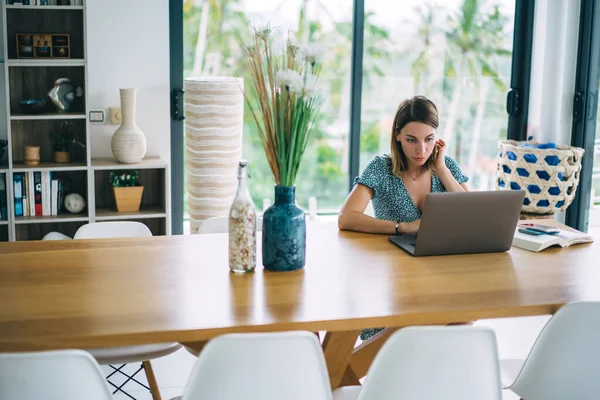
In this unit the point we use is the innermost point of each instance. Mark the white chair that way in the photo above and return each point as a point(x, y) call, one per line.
point(128, 354)
point(565, 359)
point(221, 225)
point(51, 375)
point(432, 362)
point(112, 229)
point(265, 366)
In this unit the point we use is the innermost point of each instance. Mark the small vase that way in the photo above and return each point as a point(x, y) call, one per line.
point(62, 157)
point(284, 232)
point(128, 143)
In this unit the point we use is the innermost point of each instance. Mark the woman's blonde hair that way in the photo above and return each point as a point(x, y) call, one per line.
point(416, 109)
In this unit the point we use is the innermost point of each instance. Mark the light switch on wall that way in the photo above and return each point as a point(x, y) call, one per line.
point(115, 116)
point(97, 116)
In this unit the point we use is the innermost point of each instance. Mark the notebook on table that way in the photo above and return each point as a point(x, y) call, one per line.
point(563, 238)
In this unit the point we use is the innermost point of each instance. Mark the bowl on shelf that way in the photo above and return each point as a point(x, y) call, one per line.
point(33, 106)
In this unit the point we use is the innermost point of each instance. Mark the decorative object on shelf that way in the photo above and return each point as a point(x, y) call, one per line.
point(242, 226)
point(548, 173)
point(127, 190)
point(63, 95)
point(32, 155)
point(213, 136)
point(63, 142)
point(33, 106)
point(74, 203)
point(76, 2)
point(43, 45)
point(284, 103)
point(56, 236)
point(128, 143)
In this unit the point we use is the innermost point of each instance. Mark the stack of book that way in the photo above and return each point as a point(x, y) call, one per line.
point(37, 194)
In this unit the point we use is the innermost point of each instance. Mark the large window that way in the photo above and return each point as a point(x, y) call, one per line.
point(457, 53)
point(211, 48)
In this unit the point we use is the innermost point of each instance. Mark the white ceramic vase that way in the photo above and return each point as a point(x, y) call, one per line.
point(128, 143)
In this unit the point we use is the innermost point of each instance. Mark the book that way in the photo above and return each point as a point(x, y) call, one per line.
point(18, 195)
point(37, 178)
point(563, 238)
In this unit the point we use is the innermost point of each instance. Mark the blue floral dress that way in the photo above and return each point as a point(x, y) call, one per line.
point(391, 200)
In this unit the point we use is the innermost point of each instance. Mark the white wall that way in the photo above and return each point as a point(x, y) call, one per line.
point(554, 60)
point(128, 46)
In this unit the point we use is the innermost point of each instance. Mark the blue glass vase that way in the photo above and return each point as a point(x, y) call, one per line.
point(284, 232)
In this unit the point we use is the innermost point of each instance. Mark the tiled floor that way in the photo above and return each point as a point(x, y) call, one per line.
point(515, 338)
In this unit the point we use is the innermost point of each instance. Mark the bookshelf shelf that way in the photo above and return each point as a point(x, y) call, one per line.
point(38, 7)
point(112, 164)
point(3, 222)
point(54, 218)
point(46, 116)
point(149, 212)
point(20, 167)
point(45, 63)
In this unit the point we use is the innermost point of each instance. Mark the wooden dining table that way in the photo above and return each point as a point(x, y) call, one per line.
point(117, 292)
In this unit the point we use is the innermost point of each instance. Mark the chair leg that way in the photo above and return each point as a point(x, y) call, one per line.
point(151, 380)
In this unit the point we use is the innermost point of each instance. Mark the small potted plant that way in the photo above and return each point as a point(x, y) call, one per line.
point(63, 142)
point(127, 190)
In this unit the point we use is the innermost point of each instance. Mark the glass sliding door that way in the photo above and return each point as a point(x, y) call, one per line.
point(584, 212)
point(212, 48)
point(457, 53)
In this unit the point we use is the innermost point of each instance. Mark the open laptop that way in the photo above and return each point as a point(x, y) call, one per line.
point(465, 222)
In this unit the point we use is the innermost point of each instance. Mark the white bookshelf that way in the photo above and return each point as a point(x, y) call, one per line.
point(88, 176)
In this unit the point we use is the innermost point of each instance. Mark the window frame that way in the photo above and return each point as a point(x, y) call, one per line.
point(585, 105)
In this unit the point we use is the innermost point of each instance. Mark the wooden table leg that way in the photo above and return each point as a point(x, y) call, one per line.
point(194, 347)
point(337, 348)
point(363, 355)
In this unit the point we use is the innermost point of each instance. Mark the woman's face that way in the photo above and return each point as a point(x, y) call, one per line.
point(418, 141)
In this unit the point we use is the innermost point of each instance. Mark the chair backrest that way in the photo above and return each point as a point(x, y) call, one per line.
point(265, 366)
point(221, 225)
point(113, 229)
point(52, 375)
point(565, 359)
point(436, 362)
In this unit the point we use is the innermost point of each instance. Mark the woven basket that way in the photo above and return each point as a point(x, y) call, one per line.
point(548, 176)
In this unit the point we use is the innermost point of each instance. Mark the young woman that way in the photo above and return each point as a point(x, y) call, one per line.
point(399, 182)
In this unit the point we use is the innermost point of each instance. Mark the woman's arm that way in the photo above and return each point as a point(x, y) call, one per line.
point(353, 218)
point(442, 170)
point(449, 181)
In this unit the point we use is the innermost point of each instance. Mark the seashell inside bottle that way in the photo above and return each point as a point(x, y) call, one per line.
point(242, 226)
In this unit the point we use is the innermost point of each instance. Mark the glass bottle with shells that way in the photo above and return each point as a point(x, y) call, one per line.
point(242, 226)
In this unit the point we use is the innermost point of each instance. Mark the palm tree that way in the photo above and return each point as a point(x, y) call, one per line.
point(474, 44)
point(475, 40)
point(224, 23)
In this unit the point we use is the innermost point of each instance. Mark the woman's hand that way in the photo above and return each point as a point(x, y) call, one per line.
point(410, 228)
point(439, 156)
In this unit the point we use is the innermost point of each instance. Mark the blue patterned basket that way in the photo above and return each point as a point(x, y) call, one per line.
point(549, 176)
